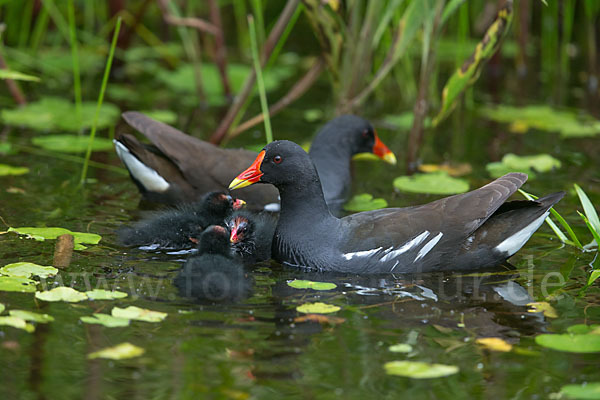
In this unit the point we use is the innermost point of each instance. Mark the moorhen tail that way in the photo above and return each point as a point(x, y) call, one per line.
point(180, 227)
point(463, 232)
point(178, 168)
point(213, 275)
point(251, 235)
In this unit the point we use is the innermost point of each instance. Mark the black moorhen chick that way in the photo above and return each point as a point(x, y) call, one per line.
point(178, 228)
point(214, 275)
point(468, 231)
point(251, 235)
point(178, 168)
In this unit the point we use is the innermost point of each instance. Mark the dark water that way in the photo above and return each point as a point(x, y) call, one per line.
point(245, 341)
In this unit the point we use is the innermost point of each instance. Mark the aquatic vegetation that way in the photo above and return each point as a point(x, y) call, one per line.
point(303, 284)
point(119, 352)
point(433, 183)
point(31, 316)
point(527, 164)
point(364, 202)
point(106, 320)
point(419, 370)
point(317, 308)
point(27, 270)
point(11, 170)
point(138, 314)
point(71, 143)
point(62, 293)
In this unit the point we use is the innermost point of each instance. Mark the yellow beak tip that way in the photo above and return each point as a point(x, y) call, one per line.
point(238, 184)
point(390, 158)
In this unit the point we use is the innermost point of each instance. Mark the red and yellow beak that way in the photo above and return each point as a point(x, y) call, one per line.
point(382, 151)
point(251, 175)
point(233, 237)
point(238, 203)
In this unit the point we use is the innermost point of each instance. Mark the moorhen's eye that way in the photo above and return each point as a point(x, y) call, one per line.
point(277, 159)
point(365, 133)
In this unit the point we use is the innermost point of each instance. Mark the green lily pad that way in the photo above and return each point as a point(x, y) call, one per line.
point(54, 113)
point(544, 118)
point(42, 234)
point(31, 316)
point(589, 390)
point(27, 270)
point(419, 370)
point(526, 164)
point(589, 343)
point(433, 183)
point(104, 319)
point(582, 329)
point(62, 293)
point(6, 169)
point(317, 308)
point(164, 116)
point(498, 169)
point(72, 143)
point(301, 284)
point(118, 352)
point(17, 322)
point(364, 202)
point(17, 76)
point(17, 284)
point(400, 348)
point(101, 294)
point(138, 314)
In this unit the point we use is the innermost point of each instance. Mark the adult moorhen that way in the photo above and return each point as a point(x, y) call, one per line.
point(251, 235)
point(178, 168)
point(213, 275)
point(462, 232)
point(178, 228)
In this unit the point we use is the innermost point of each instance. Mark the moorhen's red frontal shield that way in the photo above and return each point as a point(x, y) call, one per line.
point(382, 151)
point(251, 175)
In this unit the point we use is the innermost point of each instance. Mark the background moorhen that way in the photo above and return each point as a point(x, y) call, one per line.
point(213, 275)
point(463, 232)
point(251, 235)
point(178, 168)
point(177, 228)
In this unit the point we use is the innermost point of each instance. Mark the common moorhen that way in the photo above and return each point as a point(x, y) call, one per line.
point(251, 235)
point(178, 228)
point(178, 168)
point(462, 232)
point(214, 275)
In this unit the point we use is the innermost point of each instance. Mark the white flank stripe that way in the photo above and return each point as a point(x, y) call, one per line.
point(405, 247)
point(148, 177)
point(428, 246)
point(514, 243)
point(365, 253)
point(272, 207)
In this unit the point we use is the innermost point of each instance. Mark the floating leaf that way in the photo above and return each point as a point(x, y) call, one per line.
point(119, 352)
point(27, 269)
point(42, 234)
point(525, 164)
point(400, 348)
point(451, 169)
point(435, 183)
point(54, 113)
point(62, 293)
point(17, 284)
point(544, 118)
point(364, 202)
point(419, 370)
point(2, 308)
point(302, 284)
point(545, 307)
point(101, 294)
point(104, 319)
point(10, 170)
point(17, 322)
point(589, 343)
point(469, 72)
point(494, 344)
point(582, 329)
point(498, 169)
point(139, 314)
point(72, 143)
point(31, 316)
point(317, 308)
point(322, 319)
point(588, 390)
point(17, 76)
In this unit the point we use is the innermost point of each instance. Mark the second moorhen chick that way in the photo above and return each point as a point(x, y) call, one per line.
point(178, 228)
point(178, 168)
point(251, 235)
point(463, 232)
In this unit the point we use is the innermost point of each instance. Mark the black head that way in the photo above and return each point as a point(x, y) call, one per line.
point(280, 163)
point(352, 134)
point(214, 240)
point(242, 232)
point(220, 204)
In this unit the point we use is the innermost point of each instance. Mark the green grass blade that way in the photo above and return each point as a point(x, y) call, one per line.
point(593, 231)
point(111, 54)
point(75, 56)
point(561, 236)
point(259, 80)
point(567, 227)
point(588, 208)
